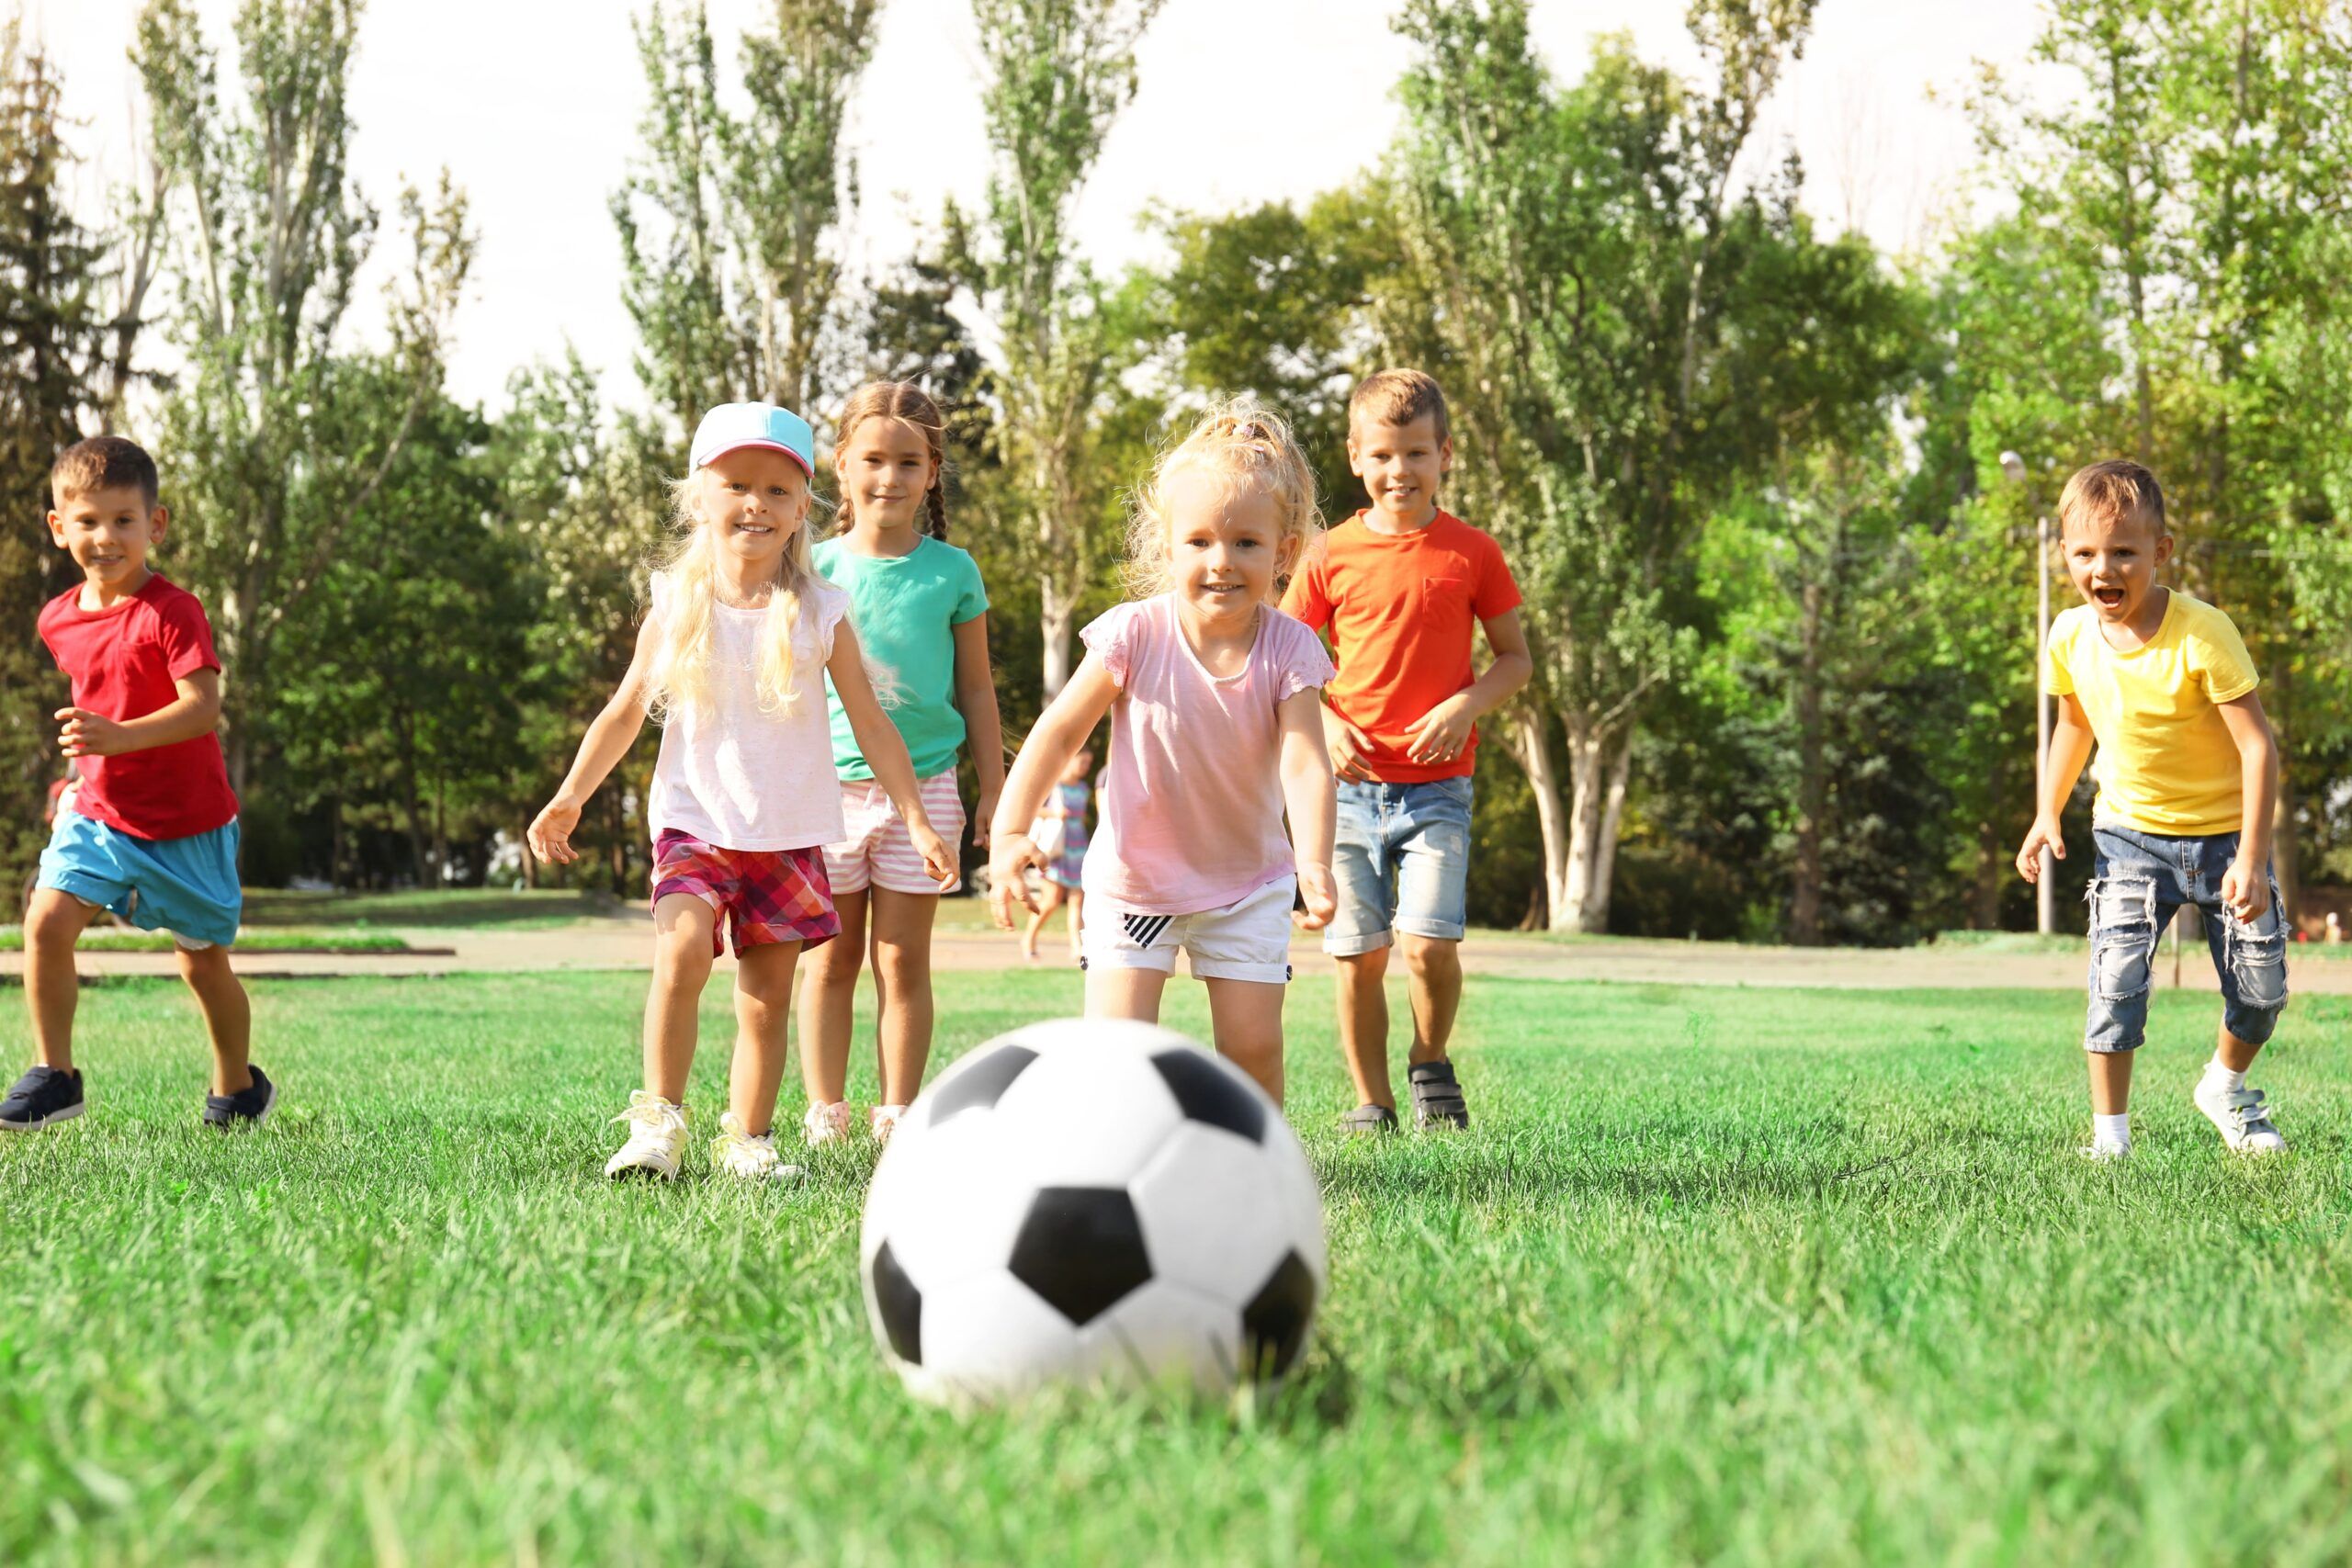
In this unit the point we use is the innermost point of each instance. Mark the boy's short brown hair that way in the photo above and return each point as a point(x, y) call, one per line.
point(102, 462)
point(2112, 491)
point(1399, 397)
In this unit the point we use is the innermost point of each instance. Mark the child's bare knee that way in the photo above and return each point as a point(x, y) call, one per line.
point(204, 965)
point(54, 919)
point(1432, 957)
point(1362, 966)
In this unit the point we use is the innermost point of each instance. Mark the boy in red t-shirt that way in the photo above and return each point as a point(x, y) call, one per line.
point(1401, 586)
point(150, 829)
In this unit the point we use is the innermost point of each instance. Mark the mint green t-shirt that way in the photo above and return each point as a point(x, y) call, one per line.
point(905, 609)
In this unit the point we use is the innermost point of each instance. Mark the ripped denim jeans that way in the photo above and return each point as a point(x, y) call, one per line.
point(2139, 882)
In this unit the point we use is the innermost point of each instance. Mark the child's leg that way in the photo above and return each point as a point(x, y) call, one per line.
point(1077, 918)
point(1246, 1018)
point(1430, 838)
point(1360, 935)
point(1435, 966)
point(902, 924)
point(2111, 1081)
point(228, 1015)
point(1363, 1025)
point(1115, 992)
point(762, 1017)
point(1046, 907)
point(683, 927)
point(53, 922)
point(827, 999)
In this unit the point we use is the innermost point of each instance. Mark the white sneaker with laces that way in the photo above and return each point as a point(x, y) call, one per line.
point(657, 1138)
point(736, 1153)
point(883, 1121)
point(825, 1123)
point(2241, 1115)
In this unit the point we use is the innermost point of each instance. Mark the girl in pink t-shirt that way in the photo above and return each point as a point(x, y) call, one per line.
point(1217, 730)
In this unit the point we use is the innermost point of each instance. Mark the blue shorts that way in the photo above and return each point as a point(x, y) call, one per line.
point(2139, 881)
point(188, 886)
point(1402, 861)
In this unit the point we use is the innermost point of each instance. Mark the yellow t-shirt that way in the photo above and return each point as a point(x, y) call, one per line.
point(2167, 763)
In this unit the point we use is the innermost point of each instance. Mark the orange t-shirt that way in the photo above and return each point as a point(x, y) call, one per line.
point(1402, 609)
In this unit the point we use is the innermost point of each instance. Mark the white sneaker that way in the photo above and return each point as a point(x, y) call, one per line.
point(657, 1138)
point(737, 1153)
point(883, 1121)
point(2105, 1152)
point(2244, 1119)
point(825, 1123)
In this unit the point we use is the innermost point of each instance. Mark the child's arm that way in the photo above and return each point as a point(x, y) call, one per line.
point(1312, 800)
point(1440, 734)
point(2246, 886)
point(196, 711)
point(1068, 720)
point(610, 735)
point(2070, 747)
point(879, 743)
point(975, 700)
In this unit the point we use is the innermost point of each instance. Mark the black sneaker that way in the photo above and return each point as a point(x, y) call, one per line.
point(1437, 1098)
point(42, 1095)
point(248, 1107)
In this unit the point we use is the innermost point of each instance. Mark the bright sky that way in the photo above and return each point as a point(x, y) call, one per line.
point(533, 103)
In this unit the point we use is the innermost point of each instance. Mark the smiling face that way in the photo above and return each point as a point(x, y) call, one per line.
point(1401, 466)
point(2112, 559)
point(1224, 546)
point(109, 533)
point(755, 500)
point(885, 469)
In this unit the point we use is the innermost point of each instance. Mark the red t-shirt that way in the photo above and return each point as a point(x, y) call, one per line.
point(124, 660)
point(1404, 611)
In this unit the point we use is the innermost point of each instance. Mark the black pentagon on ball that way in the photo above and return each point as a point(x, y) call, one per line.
point(1082, 1248)
point(1273, 1325)
point(900, 1303)
point(1209, 1092)
point(981, 1085)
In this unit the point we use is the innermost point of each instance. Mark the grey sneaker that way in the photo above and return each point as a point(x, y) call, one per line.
point(248, 1107)
point(42, 1098)
point(2241, 1116)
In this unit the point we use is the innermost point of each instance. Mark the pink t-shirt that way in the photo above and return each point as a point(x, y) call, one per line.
point(1193, 810)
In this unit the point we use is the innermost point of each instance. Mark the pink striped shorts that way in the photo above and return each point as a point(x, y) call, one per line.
point(878, 853)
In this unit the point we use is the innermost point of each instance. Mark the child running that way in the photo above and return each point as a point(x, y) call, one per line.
point(1060, 834)
point(744, 795)
point(1219, 729)
point(1404, 588)
point(2187, 777)
point(149, 828)
point(919, 603)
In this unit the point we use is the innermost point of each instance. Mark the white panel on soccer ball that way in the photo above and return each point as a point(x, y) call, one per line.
point(1085, 1116)
point(1165, 1336)
point(1209, 1218)
point(990, 1337)
point(1298, 1193)
point(951, 1203)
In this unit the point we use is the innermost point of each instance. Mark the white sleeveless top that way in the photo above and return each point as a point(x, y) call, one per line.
point(739, 778)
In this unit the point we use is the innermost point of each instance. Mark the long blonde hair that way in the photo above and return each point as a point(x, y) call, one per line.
point(1236, 440)
point(685, 591)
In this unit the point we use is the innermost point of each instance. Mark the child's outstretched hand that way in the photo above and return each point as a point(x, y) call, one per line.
point(1315, 890)
point(938, 859)
point(2043, 834)
point(1011, 857)
point(550, 832)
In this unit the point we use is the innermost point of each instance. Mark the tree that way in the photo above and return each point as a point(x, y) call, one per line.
point(280, 440)
point(1055, 75)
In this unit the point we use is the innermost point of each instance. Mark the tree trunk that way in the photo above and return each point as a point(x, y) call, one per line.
point(1056, 617)
point(1532, 742)
point(1599, 762)
point(2285, 841)
point(1813, 780)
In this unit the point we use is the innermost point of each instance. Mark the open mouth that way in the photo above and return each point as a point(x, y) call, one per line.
point(2111, 598)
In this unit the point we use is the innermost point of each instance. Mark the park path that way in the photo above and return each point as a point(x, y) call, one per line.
point(621, 942)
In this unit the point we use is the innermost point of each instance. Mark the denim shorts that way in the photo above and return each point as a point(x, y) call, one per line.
point(2138, 882)
point(188, 886)
point(1402, 861)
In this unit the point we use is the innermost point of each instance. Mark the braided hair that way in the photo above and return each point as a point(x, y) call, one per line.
point(905, 402)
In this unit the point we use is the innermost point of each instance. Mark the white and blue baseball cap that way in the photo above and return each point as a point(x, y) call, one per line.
point(732, 426)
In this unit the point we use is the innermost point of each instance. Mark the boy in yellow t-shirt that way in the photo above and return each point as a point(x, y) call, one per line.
point(2187, 774)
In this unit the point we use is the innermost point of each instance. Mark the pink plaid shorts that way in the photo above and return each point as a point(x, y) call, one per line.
point(766, 896)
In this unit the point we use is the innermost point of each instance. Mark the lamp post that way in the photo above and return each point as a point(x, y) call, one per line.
point(2045, 896)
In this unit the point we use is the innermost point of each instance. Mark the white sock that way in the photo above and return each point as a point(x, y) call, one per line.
point(2219, 1071)
point(2111, 1132)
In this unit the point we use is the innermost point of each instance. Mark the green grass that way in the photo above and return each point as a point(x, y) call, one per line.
point(1725, 1276)
point(108, 939)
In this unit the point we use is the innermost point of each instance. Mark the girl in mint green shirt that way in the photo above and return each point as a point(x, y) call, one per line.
point(920, 611)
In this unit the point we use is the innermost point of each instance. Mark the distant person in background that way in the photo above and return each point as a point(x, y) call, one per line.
point(2335, 927)
point(149, 828)
point(2187, 777)
point(745, 796)
point(1060, 834)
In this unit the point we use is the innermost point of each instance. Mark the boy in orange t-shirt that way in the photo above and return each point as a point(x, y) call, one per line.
point(1400, 586)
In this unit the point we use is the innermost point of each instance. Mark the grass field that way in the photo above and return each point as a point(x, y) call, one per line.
point(274, 939)
point(1725, 1276)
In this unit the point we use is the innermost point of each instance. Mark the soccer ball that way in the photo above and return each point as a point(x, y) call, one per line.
point(1091, 1201)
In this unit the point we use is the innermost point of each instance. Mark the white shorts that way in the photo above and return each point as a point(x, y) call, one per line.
point(878, 853)
point(1244, 940)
